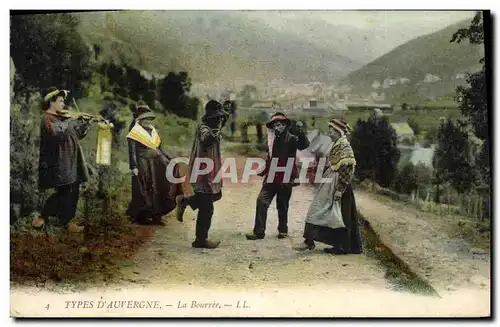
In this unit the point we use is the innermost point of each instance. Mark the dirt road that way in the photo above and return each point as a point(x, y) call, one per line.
point(169, 259)
point(275, 279)
point(268, 274)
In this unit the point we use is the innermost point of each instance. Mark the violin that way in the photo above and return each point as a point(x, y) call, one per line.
point(83, 115)
point(65, 113)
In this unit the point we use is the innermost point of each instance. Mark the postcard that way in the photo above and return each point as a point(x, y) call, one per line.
point(250, 163)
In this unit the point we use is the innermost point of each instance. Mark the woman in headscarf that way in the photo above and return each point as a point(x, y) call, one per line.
point(148, 163)
point(332, 218)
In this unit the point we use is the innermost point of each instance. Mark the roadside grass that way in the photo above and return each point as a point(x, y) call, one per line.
point(57, 256)
point(109, 238)
point(397, 272)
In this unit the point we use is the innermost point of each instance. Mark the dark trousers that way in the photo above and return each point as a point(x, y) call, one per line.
point(204, 202)
point(62, 204)
point(266, 196)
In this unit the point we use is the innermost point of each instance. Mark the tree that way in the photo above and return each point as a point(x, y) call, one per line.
point(374, 143)
point(137, 83)
point(192, 106)
point(173, 95)
point(472, 100)
point(452, 160)
point(249, 92)
point(414, 126)
point(473, 103)
point(149, 96)
point(431, 135)
point(48, 51)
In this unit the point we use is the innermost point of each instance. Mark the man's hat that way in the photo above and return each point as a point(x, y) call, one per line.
point(213, 109)
point(279, 116)
point(53, 92)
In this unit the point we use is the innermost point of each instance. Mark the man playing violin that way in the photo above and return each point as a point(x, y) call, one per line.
point(62, 164)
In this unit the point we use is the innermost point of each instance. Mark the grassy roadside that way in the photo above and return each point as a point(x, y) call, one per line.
point(397, 272)
point(59, 257)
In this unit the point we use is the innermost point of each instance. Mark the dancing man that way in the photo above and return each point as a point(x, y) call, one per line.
point(207, 189)
point(282, 150)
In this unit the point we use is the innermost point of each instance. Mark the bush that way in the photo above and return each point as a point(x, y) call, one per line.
point(24, 148)
point(411, 178)
point(409, 141)
point(175, 130)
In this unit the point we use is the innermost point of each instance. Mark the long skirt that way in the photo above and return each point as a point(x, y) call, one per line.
point(150, 191)
point(348, 236)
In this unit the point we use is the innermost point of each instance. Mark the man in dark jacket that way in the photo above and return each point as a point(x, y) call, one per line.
point(207, 189)
point(62, 164)
point(284, 148)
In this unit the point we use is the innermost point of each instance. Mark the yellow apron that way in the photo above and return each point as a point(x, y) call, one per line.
point(104, 139)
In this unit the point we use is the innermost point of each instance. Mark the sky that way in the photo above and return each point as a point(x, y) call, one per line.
point(366, 19)
point(392, 28)
point(408, 24)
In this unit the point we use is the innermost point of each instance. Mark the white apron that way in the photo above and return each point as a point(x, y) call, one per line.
point(323, 211)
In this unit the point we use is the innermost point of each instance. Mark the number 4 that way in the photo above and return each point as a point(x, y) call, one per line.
point(47, 307)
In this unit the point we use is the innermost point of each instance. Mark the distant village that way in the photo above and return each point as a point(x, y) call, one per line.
point(315, 98)
point(323, 100)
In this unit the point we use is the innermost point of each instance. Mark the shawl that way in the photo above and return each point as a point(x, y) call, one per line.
point(341, 154)
point(139, 134)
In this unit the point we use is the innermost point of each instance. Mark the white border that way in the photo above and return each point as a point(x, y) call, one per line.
point(186, 4)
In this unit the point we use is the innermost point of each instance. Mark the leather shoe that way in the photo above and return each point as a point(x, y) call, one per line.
point(205, 244)
point(252, 236)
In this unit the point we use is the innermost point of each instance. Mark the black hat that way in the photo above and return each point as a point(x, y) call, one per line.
point(279, 116)
point(213, 109)
point(147, 114)
point(140, 110)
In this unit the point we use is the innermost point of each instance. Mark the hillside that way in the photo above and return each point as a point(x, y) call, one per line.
point(361, 45)
point(227, 46)
point(414, 60)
